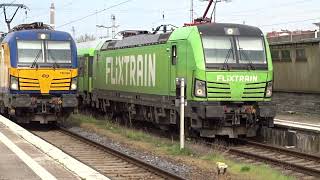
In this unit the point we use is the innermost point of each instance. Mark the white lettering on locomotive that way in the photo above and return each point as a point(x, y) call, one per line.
point(131, 70)
point(236, 78)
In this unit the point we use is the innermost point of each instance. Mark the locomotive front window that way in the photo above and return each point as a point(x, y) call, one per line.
point(218, 49)
point(30, 51)
point(58, 52)
point(251, 50)
point(43, 53)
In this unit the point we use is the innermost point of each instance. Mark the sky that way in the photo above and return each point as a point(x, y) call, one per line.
point(84, 15)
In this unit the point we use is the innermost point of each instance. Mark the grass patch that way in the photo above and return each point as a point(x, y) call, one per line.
point(259, 172)
point(166, 147)
point(245, 169)
point(175, 150)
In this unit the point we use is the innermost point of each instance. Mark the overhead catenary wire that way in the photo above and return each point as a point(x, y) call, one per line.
point(92, 14)
point(290, 22)
point(9, 4)
point(273, 6)
point(45, 11)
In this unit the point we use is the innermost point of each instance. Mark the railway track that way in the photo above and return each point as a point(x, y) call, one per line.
point(305, 165)
point(112, 163)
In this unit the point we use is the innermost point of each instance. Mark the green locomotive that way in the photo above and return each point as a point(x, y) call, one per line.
point(227, 69)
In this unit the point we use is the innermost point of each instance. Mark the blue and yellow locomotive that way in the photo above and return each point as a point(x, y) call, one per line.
point(38, 74)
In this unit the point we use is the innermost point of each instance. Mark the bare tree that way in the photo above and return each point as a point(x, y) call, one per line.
point(85, 38)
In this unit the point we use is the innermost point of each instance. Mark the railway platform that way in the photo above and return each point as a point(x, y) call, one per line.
point(25, 156)
point(298, 121)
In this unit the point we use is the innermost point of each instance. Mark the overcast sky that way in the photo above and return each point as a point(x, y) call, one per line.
point(144, 14)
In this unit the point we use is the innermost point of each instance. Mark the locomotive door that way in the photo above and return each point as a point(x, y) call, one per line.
point(81, 73)
point(85, 63)
point(178, 65)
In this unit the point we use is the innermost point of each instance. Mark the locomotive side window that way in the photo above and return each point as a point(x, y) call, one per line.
point(174, 54)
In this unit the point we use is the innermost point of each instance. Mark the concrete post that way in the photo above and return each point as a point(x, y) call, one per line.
point(182, 104)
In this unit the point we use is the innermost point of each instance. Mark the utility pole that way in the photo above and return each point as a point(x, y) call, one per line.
point(181, 83)
point(52, 15)
point(73, 32)
point(106, 27)
point(113, 27)
point(26, 13)
point(113, 19)
point(191, 12)
point(9, 20)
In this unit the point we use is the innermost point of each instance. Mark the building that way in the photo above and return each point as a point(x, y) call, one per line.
point(296, 61)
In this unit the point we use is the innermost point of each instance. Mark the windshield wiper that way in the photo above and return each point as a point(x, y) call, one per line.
point(241, 51)
point(55, 64)
point(250, 63)
point(225, 63)
point(35, 64)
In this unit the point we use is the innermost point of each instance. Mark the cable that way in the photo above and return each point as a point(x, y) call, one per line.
point(92, 14)
point(10, 4)
point(57, 8)
point(289, 22)
point(272, 6)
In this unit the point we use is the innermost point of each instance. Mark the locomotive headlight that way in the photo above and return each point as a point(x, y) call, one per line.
point(14, 83)
point(74, 84)
point(232, 31)
point(200, 89)
point(43, 36)
point(269, 89)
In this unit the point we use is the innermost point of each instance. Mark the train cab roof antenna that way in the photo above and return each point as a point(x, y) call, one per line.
point(9, 19)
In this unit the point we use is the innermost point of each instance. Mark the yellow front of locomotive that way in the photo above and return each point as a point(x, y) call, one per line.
point(41, 70)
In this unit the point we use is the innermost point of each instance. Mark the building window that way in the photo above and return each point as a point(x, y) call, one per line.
point(285, 55)
point(301, 55)
point(275, 55)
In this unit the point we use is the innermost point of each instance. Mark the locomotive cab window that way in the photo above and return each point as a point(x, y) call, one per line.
point(251, 50)
point(43, 52)
point(218, 49)
point(235, 52)
point(30, 51)
point(58, 52)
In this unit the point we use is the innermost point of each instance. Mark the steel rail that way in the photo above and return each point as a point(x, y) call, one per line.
point(159, 171)
point(290, 164)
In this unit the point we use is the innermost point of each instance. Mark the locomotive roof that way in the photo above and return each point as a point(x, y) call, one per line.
point(219, 29)
point(90, 46)
point(212, 29)
point(135, 41)
point(33, 35)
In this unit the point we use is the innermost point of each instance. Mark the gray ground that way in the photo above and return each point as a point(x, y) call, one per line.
point(179, 169)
